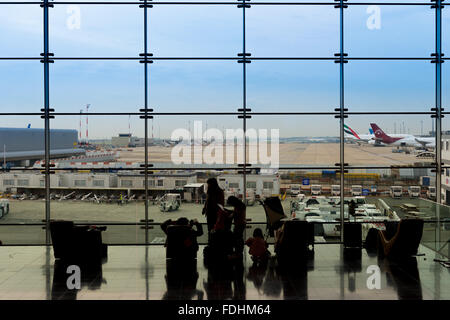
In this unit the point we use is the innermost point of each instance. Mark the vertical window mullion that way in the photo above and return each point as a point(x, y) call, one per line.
point(146, 122)
point(244, 104)
point(45, 5)
point(438, 106)
point(341, 122)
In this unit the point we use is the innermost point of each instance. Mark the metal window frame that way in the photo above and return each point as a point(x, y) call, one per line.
point(342, 112)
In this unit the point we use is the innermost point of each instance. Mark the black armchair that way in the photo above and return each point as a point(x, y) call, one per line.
point(78, 244)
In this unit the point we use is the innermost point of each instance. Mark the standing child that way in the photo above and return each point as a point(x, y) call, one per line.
point(240, 221)
point(258, 246)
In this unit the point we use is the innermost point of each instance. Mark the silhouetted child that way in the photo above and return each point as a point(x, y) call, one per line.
point(258, 246)
point(238, 215)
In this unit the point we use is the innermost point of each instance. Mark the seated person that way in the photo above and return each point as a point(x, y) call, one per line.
point(258, 246)
point(191, 240)
point(406, 239)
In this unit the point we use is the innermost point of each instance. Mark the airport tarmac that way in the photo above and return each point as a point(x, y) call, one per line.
point(33, 211)
point(86, 212)
point(313, 154)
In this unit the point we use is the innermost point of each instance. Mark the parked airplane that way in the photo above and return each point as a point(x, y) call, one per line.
point(407, 140)
point(353, 136)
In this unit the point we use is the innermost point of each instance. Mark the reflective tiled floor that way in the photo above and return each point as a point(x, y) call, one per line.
point(139, 272)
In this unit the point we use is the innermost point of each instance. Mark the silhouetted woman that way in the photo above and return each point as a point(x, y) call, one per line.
point(214, 197)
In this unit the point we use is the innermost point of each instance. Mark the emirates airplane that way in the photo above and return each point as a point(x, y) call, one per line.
point(351, 135)
point(407, 140)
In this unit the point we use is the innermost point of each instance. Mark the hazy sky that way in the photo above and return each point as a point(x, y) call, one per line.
point(212, 86)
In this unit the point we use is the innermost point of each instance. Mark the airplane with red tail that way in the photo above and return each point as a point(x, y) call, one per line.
point(407, 140)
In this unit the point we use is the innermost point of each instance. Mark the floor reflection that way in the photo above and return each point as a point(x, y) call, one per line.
point(294, 282)
point(225, 280)
point(181, 280)
point(64, 278)
point(134, 273)
point(404, 276)
point(352, 265)
point(256, 274)
point(282, 281)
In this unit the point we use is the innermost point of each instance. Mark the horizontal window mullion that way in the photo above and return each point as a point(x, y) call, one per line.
point(21, 114)
point(149, 113)
point(211, 168)
point(220, 113)
point(233, 3)
point(389, 113)
point(219, 168)
point(20, 58)
point(350, 167)
point(225, 58)
point(406, 166)
point(337, 113)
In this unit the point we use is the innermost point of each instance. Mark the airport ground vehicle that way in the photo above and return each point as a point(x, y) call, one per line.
point(414, 191)
point(431, 193)
point(316, 189)
point(335, 190)
point(4, 207)
point(170, 202)
point(396, 191)
point(295, 189)
point(356, 190)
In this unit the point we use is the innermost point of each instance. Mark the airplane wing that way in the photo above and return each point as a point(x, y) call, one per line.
point(422, 142)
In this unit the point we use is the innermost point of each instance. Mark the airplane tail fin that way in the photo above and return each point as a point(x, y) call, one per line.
point(350, 131)
point(370, 131)
point(379, 133)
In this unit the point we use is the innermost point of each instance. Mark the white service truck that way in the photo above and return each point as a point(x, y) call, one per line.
point(295, 189)
point(356, 190)
point(431, 193)
point(396, 191)
point(336, 190)
point(414, 191)
point(316, 189)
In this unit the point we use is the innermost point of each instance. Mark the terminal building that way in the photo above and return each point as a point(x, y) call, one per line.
point(124, 140)
point(123, 181)
point(22, 146)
